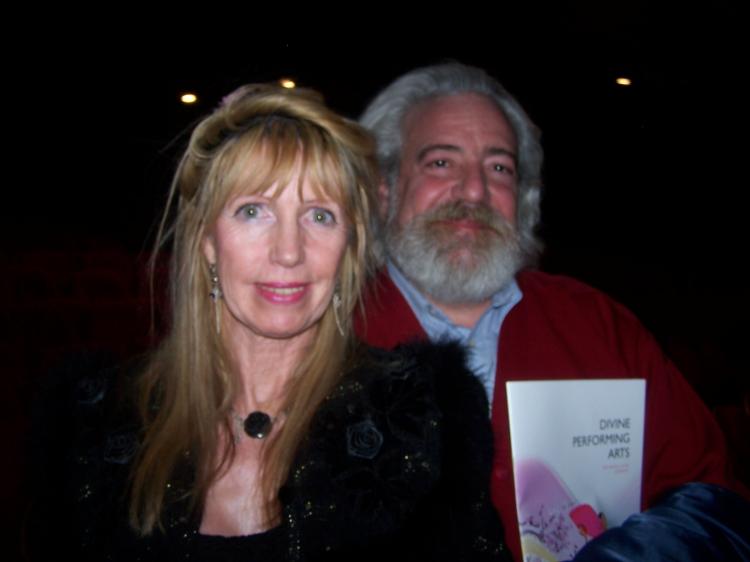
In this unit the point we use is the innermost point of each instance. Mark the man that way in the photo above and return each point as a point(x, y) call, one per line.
point(461, 163)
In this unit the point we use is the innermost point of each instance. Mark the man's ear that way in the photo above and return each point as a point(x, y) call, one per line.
point(383, 199)
point(209, 248)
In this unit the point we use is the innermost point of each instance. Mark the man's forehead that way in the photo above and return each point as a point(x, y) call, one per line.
point(453, 120)
point(443, 103)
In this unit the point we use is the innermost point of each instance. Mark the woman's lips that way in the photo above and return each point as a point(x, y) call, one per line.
point(282, 293)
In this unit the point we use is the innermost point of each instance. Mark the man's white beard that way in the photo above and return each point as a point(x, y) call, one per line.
point(452, 267)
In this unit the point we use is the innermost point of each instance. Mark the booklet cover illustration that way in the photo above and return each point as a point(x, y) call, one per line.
point(577, 450)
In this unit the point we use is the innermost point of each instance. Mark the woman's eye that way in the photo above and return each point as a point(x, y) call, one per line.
point(249, 211)
point(323, 216)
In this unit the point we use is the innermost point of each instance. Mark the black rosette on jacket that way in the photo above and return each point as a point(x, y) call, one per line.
point(399, 459)
point(373, 455)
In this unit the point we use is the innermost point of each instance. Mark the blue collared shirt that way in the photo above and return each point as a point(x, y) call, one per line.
point(480, 341)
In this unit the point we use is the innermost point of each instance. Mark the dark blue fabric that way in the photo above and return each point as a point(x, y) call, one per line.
point(695, 523)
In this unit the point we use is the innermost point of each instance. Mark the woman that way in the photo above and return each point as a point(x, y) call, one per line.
point(262, 430)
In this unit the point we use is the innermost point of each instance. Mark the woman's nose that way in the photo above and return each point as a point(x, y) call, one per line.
point(287, 244)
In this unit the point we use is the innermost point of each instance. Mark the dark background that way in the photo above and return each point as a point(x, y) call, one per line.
point(644, 186)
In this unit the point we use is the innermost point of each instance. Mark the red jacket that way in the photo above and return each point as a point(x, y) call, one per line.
point(564, 329)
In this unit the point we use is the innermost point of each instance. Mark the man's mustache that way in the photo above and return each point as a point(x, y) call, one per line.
point(457, 210)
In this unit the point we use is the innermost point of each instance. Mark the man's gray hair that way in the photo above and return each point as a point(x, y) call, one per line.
point(385, 114)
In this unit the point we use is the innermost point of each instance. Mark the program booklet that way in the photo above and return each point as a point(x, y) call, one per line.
point(577, 449)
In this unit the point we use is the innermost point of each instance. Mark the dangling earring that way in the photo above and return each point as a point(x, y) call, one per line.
point(215, 294)
point(336, 307)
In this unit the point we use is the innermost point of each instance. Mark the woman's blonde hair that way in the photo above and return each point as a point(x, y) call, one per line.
point(259, 136)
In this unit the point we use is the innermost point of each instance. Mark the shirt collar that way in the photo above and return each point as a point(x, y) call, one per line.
point(508, 295)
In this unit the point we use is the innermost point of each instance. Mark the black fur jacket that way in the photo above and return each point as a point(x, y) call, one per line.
point(396, 466)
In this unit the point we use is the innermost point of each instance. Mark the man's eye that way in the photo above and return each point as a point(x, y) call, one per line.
point(439, 163)
point(503, 169)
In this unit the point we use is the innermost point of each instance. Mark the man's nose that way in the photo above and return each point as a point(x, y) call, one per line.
point(472, 186)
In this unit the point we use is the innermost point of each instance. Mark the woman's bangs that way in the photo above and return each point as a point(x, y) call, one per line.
point(272, 155)
point(267, 162)
point(323, 169)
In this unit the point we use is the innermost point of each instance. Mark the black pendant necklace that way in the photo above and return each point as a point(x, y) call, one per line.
point(256, 425)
